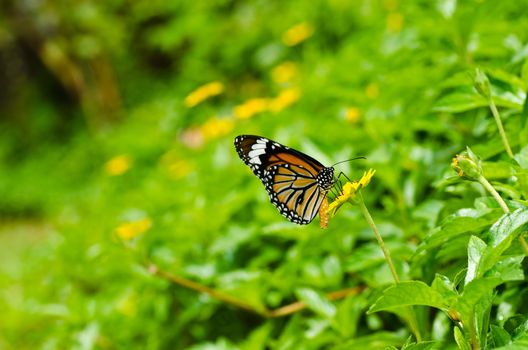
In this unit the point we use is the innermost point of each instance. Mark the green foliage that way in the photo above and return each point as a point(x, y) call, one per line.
point(128, 221)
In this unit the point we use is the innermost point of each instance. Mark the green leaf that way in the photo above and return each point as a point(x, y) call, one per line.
point(258, 338)
point(513, 80)
point(444, 286)
point(508, 269)
point(498, 336)
point(408, 293)
point(316, 302)
point(378, 340)
point(460, 102)
point(461, 341)
point(501, 236)
point(465, 220)
point(424, 345)
point(473, 293)
point(332, 269)
point(476, 248)
point(348, 314)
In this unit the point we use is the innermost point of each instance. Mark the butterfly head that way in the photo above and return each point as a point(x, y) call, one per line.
point(325, 178)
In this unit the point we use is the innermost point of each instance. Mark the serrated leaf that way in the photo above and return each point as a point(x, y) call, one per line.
point(316, 302)
point(408, 293)
point(501, 235)
point(508, 269)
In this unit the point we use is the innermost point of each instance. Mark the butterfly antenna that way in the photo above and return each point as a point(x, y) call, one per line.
point(348, 160)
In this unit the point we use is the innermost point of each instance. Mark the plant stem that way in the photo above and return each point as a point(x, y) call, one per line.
point(372, 225)
point(228, 299)
point(484, 182)
point(184, 282)
point(411, 314)
point(502, 133)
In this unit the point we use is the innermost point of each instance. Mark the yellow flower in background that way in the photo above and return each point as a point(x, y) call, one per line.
point(179, 169)
point(285, 99)
point(118, 165)
point(203, 93)
point(127, 304)
point(352, 115)
point(216, 127)
point(284, 72)
point(174, 165)
point(132, 229)
point(348, 193)
point(391, 5)
point(372, 91)
point(394, 22)
point(251, 107)
point(297, 34)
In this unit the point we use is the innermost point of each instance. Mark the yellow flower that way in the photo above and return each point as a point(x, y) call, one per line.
point(216, 127)
point(394, 22)
point(284, 72)
point(391, 5)
point(118, 165)
point(348, 193)
point(372, 91)
point(297, 34)
point(285, 99)
point(132, 229)
point(323, 214)
point(251, 107)
point(127, 304)
point(203, 93)
point(174, 165)
point(352, 115)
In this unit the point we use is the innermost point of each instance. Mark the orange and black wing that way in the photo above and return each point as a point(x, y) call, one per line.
point(289, 176)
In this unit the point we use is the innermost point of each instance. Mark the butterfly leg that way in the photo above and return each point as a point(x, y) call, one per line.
point(343, 174)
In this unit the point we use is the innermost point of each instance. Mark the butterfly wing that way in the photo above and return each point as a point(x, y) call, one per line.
point(289, 176)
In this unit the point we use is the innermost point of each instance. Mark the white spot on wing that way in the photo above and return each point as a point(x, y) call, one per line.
point(255, 160)
point(258, 146)
point(256, 152)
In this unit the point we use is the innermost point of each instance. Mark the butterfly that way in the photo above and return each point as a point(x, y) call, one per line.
point(297, 184)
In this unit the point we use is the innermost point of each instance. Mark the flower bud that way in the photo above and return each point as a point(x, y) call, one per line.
point(482, 84)
point(467, 165)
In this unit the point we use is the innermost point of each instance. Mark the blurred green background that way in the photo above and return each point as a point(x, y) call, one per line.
point(116, 146)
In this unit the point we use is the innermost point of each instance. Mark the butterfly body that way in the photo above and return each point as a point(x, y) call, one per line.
point(296, 183)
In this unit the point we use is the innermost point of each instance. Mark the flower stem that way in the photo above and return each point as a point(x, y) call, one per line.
point(411, 314)
point(372, 225)
point(485, 183)
point(502, 133)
